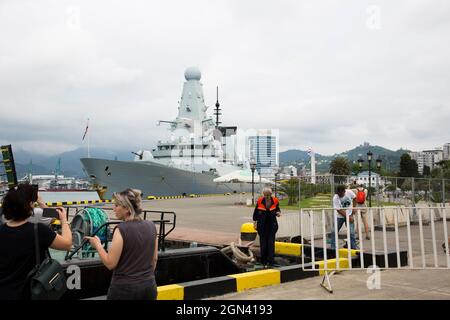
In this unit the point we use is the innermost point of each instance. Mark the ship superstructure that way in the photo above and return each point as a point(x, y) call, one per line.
point(196, 151)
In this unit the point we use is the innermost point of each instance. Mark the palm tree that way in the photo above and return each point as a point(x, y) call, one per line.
point(340, 167)
point(291, 189)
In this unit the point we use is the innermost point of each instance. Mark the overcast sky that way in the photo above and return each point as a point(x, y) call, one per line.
point(327, 74)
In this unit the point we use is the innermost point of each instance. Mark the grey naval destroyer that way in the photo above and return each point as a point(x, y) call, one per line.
point(196, 151)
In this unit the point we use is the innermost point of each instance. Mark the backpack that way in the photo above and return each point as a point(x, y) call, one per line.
point(360, 197)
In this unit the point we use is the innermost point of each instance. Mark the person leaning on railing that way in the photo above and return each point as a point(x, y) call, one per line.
point(17, 244)
point(343, 203)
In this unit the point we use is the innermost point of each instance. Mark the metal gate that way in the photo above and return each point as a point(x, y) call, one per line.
point(408, 238)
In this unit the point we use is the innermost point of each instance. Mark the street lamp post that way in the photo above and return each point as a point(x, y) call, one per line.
point(369, 159)
point(253, 167)
point(378, 161)
point(292, 188)
point(360, 163)
point(276, 176)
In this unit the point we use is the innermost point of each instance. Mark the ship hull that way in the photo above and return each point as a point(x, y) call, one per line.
point(154, 179)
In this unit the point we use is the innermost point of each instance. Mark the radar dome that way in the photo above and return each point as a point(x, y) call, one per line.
point(192, 73)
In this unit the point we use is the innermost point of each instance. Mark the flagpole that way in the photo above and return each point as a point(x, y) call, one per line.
point(89, 141)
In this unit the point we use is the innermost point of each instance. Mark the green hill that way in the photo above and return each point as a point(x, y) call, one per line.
point(299, 158)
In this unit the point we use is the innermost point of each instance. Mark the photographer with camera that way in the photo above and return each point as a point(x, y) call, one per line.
point(17, 241)
point(38, 211)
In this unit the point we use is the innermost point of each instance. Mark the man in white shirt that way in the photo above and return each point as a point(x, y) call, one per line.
point(343, 202)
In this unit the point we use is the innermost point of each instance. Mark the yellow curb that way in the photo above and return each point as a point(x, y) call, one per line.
point(287, 248)
point(171, 292)
point(331, 265)
point(256, 279)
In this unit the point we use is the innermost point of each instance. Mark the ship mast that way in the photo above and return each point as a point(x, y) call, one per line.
point(217, 111)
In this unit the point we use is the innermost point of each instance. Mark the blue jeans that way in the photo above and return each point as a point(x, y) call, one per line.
point(340, 223)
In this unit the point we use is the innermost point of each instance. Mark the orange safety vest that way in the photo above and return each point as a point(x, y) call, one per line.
point(262, 207)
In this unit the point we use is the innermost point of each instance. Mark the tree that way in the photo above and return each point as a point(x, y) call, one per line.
point(340, 166)
point(426, 171)
point(436, 173)
point(442, 171)
point(408, 166)
point(290, 188)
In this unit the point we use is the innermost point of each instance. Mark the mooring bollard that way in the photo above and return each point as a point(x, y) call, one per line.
point(248, 232)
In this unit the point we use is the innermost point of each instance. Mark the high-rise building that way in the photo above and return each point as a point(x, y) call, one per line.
point(427, 158)
point(263, 148)
point(446, 151)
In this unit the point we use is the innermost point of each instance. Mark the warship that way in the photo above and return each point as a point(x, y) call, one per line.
point(196, 151)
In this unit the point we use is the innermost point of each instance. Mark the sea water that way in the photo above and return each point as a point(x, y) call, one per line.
point(68, 196)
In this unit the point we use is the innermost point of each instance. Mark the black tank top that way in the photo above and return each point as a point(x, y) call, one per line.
point(136, 261)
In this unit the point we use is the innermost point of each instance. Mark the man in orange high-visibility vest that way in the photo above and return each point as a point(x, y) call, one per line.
point(265, 221)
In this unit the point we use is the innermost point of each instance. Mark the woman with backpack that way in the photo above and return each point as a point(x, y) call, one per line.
point(361, 207)
point(133, 253)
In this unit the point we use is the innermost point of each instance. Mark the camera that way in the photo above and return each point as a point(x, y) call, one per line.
point(34, 196)
point(50, 213)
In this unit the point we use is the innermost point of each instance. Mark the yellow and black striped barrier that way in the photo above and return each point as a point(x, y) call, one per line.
point(187, 196)
point(200, 289)
point(240, 282)
point(70, 203)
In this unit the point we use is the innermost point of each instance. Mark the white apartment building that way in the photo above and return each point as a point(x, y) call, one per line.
point(375, 179)
point(446, 151)
point(427, 158)
point(287, 172)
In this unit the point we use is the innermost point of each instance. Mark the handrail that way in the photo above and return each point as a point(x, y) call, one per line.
point(161, 235)
point(162, 226)
point(106, 224)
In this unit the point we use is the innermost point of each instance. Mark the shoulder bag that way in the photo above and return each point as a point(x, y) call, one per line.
point(48, 281)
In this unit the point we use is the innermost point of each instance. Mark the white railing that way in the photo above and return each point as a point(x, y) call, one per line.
point(401, 238)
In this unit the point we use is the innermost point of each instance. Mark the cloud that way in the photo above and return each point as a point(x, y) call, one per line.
point(315, 71)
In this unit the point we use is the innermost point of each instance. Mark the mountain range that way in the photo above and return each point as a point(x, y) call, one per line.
point(299, 158)
point(70, 161)
point(71, 165)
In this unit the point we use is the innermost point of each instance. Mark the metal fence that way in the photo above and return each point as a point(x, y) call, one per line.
point(406, 191)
